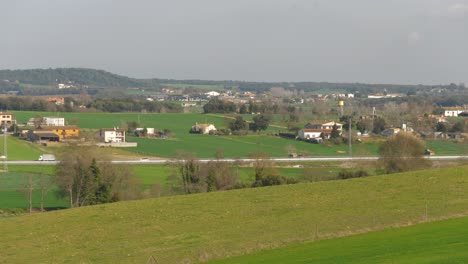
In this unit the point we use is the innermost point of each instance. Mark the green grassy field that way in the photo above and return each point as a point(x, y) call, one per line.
point(13, 185)
point(15, 180)
point(437, 242)
point(205, 145)
point(18, 149)
point(200, 227)
point(201, 145)
point(447, 147)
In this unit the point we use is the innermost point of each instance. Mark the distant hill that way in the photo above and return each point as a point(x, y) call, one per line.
point(200, 227)
point(77, 76)
point(104, 79)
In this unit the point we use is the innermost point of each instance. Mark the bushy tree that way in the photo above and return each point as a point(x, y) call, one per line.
point(238, 124)
point(216, 105)
point(335, 133)
point(441, 127)
point(260, 122)
point(402, 152)
point(378, 125)
point(458, 127)
point(264, 172)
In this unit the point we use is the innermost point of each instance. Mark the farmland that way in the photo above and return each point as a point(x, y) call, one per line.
point(216, 225)
point(438, 242)
point(205, 146)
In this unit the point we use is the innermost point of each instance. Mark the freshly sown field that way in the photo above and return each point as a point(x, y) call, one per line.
point(437, 242)
point(201, 227)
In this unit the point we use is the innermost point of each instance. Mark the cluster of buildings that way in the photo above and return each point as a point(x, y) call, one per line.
point(55, 129)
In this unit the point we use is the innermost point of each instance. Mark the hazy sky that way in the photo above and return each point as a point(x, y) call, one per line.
point(377, 41)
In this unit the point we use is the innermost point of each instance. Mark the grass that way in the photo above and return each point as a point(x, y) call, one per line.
point(18, 149)
point(201, 145)
point(447, 147)
point(13, 185)
point(205, 146)
point(437, 242)
point(12, 182)
point(201, 227)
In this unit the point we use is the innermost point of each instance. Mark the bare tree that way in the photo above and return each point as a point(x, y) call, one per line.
point(28, 189)
point(45, 184)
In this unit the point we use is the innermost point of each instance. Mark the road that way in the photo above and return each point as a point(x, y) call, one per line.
point(292, 160)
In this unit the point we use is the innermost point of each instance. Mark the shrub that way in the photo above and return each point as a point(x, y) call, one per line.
point(342, 175)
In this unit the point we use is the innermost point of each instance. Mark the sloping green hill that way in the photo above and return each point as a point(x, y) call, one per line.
point(437, 242)
point(191, 228)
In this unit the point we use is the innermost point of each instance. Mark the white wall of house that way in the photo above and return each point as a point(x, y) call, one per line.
point(6, 118)
point(54, 121)
point(328, 125)
point(304, 134)
point(452, 112)
point(113, 136)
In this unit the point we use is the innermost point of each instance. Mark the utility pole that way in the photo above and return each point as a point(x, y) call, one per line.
point(5, 165)
point(350, 149)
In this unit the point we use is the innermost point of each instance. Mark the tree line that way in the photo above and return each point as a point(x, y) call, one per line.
point(104, 105)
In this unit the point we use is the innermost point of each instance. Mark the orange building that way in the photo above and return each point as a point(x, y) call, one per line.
point(62, 132)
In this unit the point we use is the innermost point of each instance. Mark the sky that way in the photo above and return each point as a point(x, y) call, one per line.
point(370, 41)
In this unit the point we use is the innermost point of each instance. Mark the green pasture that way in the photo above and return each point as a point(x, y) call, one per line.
point(447, 147)
point(15, 182)
point(208, 226)
point(437, 242)
point(18, 149)
point(201, 145)
point(205, 146)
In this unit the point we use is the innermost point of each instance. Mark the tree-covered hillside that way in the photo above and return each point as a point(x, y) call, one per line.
point(103, 79)
point(77, 76)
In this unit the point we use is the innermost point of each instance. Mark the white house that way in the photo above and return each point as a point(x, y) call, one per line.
point(112, 135)
point(306, 134)
point(53, 121)
point(203, 128)
point(325, 126)
point(212, 93)
point(453, 111)
point(7, 118)
point(318, 130)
